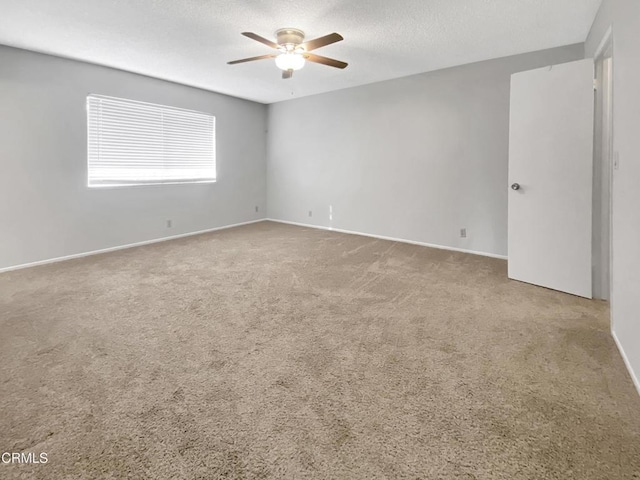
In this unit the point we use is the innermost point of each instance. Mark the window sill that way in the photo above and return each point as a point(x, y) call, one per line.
point(137, 185)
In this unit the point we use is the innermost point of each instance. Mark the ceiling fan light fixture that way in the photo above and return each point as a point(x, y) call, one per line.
point(292, 51)
point(290, 61)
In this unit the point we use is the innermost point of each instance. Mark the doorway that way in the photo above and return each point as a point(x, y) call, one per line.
point(602, 171)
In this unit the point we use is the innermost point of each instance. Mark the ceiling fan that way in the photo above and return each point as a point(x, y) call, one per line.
point(293, 52)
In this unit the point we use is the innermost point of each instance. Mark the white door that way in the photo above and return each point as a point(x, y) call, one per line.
point(551, 177)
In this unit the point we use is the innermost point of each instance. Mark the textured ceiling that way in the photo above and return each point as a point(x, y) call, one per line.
point(190, 41)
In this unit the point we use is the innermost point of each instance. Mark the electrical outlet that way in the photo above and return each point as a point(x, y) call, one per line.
point(463, 233)
point(169, 223)
point(310, 213)
point(257, 208)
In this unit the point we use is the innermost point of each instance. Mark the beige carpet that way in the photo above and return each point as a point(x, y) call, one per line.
point(272, 351)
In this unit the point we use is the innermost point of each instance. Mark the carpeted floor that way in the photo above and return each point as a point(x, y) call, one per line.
point(273, 351)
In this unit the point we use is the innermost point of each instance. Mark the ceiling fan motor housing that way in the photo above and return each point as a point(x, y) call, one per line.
point(289, 36)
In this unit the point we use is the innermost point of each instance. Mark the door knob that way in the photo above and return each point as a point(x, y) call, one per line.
point(515, 186)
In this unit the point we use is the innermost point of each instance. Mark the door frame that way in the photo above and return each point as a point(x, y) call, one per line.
point(604, 157)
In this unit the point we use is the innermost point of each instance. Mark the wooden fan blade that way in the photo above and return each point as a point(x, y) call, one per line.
point(287, 74)
point(260, 39)
point(324, 60)
point(322, 41)
point(251, 59)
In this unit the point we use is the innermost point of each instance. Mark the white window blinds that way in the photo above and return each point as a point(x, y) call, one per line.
point(136, 143)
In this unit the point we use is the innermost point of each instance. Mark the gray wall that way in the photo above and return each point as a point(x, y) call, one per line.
point(415, 158)
point(47, 211)
point(625, 299)
point(602, 22)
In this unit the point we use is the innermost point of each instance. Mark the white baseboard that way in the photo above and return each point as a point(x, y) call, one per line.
point(122, 247)
point(402, 240)
point(634, 377)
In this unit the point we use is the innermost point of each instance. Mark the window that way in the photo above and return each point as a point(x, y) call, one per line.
point(136, 143)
